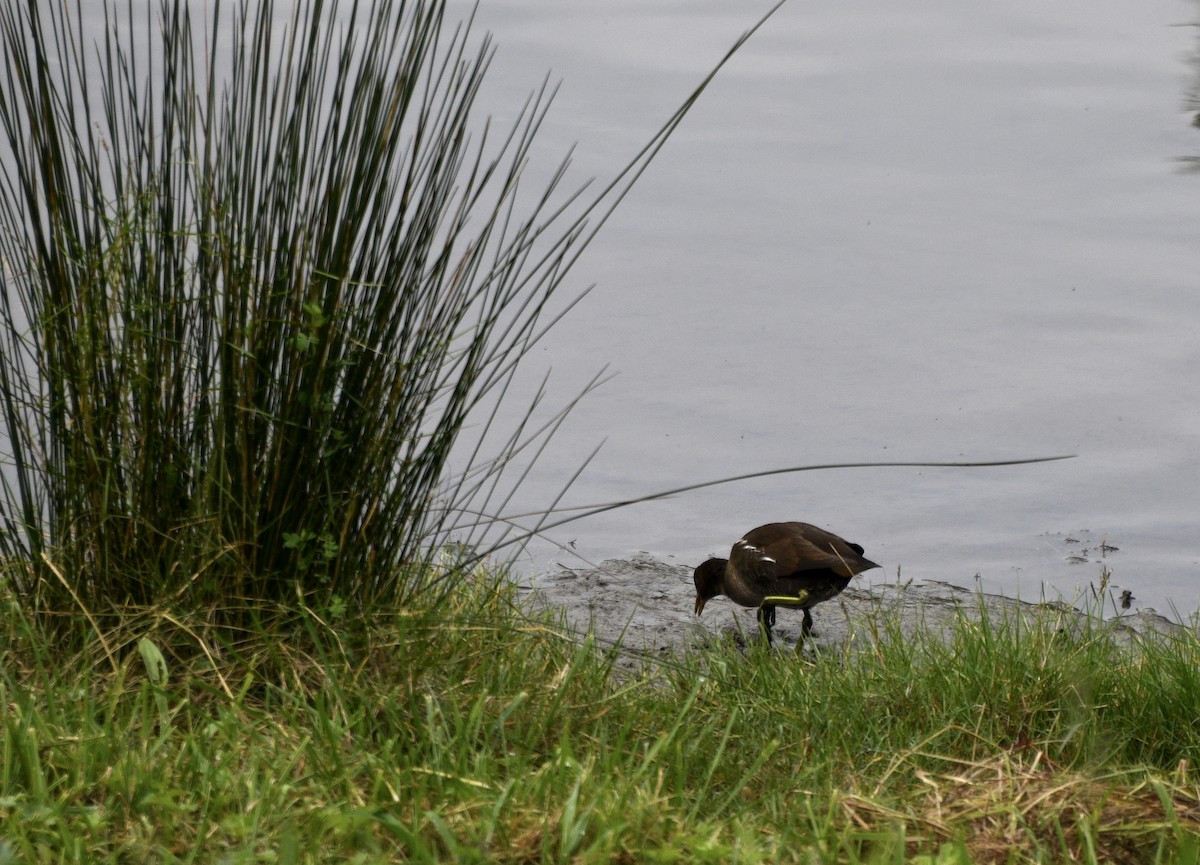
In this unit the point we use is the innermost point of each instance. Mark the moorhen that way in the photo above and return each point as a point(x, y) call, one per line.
point(792, 565)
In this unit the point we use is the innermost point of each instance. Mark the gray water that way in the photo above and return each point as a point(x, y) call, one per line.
point(933, 231)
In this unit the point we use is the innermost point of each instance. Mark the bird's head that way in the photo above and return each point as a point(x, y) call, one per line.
point(710, 581)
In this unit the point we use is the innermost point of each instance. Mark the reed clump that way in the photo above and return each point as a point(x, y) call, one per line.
point(259, 270)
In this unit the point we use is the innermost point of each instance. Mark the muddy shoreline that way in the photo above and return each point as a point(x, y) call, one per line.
point(647, 605)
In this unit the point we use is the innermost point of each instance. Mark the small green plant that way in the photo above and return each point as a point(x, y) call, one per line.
point(310, 548)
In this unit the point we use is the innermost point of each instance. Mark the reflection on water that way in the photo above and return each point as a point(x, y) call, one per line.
point(931, 233)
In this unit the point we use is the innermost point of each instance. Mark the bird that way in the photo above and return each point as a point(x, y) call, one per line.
point(793, 565)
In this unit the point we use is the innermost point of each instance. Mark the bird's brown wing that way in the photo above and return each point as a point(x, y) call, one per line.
point(792, 548)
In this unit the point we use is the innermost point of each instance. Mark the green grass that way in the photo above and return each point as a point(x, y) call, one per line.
point(475, 732)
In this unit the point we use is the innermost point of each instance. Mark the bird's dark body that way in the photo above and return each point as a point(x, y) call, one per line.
point(793, 565)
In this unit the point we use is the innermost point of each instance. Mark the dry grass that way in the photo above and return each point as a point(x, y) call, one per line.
point(1017, 805)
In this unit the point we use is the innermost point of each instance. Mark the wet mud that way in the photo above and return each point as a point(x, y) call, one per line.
point(646, 606)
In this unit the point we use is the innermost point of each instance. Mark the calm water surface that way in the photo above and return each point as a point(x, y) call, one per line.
point(938, 232)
